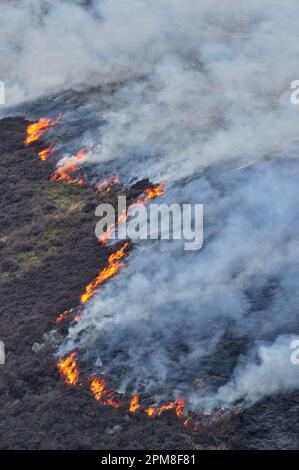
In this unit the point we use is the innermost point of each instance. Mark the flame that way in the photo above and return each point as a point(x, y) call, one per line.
point(98, 388)
point(68, 369)
point(134, 403)
point(106, 184)
point(113, 267)
point(63, 316)
point(44, 154)
point(149, 193)
point(37, 129)
point(64, 171)
point(150, 411)
point(107, 235)
point(111, 402)
point(177, 405)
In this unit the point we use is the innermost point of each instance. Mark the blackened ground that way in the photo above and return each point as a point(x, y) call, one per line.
point(48, 254)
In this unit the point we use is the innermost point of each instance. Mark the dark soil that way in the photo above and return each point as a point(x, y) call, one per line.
point(48, 254)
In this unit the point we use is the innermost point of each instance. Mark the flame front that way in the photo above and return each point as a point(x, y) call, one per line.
point(106, 184)
point(177, 405)
point(68, 369)
point(134, 403)
point(98, 388)
point(64, 315)
point(44, 154)
point(114, 265)
point(37, 129)
point(64, 172)
point(149, 193)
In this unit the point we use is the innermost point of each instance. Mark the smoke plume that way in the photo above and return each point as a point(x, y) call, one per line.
point(196, 94)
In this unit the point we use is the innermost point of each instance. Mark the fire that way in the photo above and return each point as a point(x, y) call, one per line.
point(106, 184)
point(37, 129)
point(44, 154)
point(134, 403)
point(64, 171)
point(98, 388)
point(114, 265)
point(177, 405)
point(64, 315)
point(68, 369)
point(150, 411)
point(106, 236)
point(111, 402)
point(67, 313)
point(149, 193)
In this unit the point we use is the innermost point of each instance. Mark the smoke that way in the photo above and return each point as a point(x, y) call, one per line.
point(197, 94)
point(267, 371)
point(51, 46)
point(165, 321)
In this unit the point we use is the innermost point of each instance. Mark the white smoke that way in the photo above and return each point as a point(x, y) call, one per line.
point(161, 323)
point(267, 371)
point(201, 98)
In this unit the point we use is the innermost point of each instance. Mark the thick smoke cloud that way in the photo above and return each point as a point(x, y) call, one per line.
point(201, 99)
point(165, 321)
point(266, 372)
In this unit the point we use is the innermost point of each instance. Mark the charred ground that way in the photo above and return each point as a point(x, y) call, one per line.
point(48, 254)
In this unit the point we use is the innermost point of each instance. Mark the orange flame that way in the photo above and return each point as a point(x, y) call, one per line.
point(97, 388)
point(99, 391)
point(113, 267)
point(68, 369)
point(107, 235)
point(149, 193)
point(64, 315)
point(37, 129)
point(150, 411)
point(44, 154)
point(134, 403)
point(64, 171)
point(111, 402)
point(106, 184)
point(177, 405)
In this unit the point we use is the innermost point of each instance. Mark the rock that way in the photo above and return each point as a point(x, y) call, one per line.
point(115, 429)
point(50, 340)
point(37, 347)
